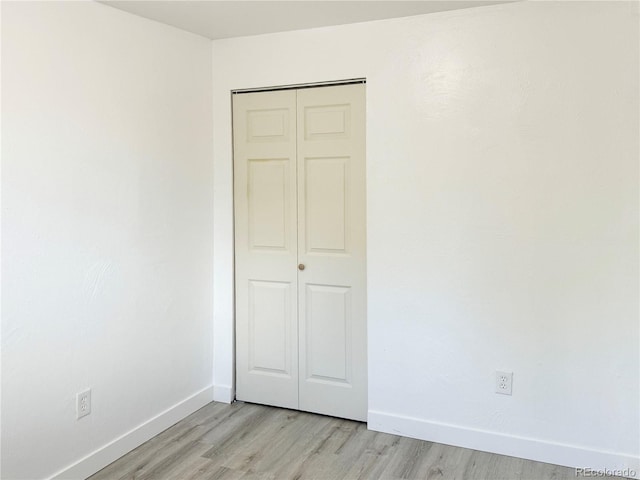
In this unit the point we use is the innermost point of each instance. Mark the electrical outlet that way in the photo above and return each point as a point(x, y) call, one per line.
point(83, 403)
point(504, 382)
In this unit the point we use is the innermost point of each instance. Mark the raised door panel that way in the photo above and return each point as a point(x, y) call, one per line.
point(270, 319)
point(328, 334)
point(268, 125)
point(322, 122)
point(269, 204)
point(326, 204)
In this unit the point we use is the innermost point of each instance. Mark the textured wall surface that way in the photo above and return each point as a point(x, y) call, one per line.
point(106, 227)
point(502, 168)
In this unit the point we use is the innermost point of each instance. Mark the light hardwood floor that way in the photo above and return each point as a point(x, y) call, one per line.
point(247, 441)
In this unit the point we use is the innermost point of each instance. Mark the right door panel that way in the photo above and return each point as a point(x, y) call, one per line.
point(332, 248)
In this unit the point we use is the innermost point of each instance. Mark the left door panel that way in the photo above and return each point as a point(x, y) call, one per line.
point(264, 126)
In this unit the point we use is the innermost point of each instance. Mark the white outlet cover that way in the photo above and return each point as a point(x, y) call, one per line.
point(83, 404)
point(504, 383)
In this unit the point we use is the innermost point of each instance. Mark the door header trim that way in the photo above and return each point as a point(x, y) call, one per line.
point(297, 86)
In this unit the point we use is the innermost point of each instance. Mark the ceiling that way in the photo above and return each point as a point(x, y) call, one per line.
point(224, 19)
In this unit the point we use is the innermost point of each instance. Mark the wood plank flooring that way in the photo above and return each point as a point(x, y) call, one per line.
point(255, 442)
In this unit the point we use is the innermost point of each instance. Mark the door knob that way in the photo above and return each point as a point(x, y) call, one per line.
point(301, 266)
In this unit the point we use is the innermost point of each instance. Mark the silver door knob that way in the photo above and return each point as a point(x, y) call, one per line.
point(301, 266)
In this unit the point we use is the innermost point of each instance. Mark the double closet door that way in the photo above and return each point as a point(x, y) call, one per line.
point(300, 229)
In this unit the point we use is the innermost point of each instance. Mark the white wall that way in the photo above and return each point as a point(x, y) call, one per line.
point(106, 232)
point(502, 169)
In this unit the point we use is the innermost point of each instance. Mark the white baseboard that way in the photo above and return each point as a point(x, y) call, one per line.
point(113, 450)
point(503, 444)
point(223, 394)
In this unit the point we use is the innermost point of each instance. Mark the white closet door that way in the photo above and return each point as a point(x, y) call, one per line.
point(266, 248)
point(299, 165)
point(332, 248)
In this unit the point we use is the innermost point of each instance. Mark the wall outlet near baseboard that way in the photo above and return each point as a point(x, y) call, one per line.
point(83, 404)
point(504, 383)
